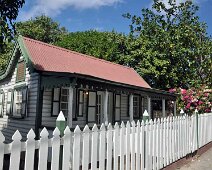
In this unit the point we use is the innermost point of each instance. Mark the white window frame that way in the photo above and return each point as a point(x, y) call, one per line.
point(58, 100)
point(64, 110)
point(20, 97)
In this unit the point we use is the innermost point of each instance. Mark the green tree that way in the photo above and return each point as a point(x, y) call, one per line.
point(8, 13)
point(171, 47)
point(41, 28)
point(110, 46)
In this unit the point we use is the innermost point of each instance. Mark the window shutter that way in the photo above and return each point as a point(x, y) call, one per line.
point(20, 74)
point(81, 102)
point(24, 101)
point(56, 101)
point(1, 103)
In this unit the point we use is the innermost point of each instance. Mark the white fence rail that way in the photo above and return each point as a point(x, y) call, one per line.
point(144, 145)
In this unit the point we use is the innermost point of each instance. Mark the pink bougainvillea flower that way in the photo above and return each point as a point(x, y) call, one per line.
point(200, 102)
point(183, 91)
point(188, 106)
point(172, 90)
point(206, 94)
point(186, 97)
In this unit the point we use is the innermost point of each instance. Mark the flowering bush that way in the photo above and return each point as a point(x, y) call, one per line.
point(192, 99)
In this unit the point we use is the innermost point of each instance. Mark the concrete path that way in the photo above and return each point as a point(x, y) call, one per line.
point(204, 162)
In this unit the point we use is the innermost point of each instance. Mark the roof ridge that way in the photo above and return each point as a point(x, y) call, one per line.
point(74, 52)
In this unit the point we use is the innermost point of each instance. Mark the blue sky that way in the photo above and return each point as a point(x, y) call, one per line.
point(102, 15)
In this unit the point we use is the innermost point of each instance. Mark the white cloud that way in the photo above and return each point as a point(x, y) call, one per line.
point(55, 7)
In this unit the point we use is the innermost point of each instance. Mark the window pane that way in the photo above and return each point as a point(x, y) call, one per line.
point(118, 100)
point(64, 106)
point(23, 108)
point(81, 96)
point(55, 108)
point(1, 98)
point(56, 94)
point(80, 109)
point(92, 98)
point(8, 108)
point(117, 114)
point(1, 109)
point(91, 114)
point(64, 91)
point(136, 105)
point(9, 96)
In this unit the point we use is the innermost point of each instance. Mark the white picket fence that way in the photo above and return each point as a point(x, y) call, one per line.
point(132, 146)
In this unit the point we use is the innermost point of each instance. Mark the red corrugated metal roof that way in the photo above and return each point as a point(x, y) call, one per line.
point(46, 57)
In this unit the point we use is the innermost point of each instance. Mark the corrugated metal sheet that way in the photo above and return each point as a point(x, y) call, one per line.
point(51, 58)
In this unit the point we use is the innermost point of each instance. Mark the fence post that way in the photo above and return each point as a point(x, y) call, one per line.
point(145, 116)
point(61, 125)
point(196, 114)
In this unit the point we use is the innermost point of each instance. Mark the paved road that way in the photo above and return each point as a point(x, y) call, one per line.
point(204, 162)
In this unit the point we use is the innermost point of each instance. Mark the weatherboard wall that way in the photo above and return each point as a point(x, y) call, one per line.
point(8, 125)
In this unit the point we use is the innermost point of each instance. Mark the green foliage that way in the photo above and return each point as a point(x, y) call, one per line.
point(110, 46)
point(170, 47)
point(5, 56)
point(8, 13)
point(41, 28)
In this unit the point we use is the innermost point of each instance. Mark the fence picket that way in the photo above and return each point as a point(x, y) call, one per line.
point(128, 146)
point(76, 148)
point(55, 149)
point(138, 155)
point(30, 151)
point(2, 139)
point(15, 151)
point(115, 146)
point(157, 143)
point(94, 147)
point(122, 144)
point(109, 146)
point(85, 148)
point(133, 146)
point(66, 149)
point(146, 145)
point(154, 145)
point(142, 145)
point(102, 148)
point(43, 151)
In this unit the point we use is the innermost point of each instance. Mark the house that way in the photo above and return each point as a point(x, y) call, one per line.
point(42, 79)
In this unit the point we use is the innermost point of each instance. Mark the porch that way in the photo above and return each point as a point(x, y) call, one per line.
point(85, 101)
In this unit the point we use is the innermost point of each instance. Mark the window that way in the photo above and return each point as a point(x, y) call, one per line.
point(136, 106)
point(64, 101)
point(82, 99)
point(92, 107)
point(20, 74)
point(60, 101)
point(117, 108)
point(20, 102)
point(1, 103)
point(9, 102)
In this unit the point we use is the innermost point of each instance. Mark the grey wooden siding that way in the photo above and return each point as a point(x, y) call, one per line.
point(9, 125)
point(50, 121)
